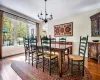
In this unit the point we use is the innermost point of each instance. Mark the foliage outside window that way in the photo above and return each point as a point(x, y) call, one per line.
point(21, 29)
point(14, 31)
point(8, 34)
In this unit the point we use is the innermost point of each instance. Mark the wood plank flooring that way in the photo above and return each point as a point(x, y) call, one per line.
point(94, 68)
point(7, 73)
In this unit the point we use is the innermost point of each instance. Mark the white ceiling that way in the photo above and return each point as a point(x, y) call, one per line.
point(59, 8)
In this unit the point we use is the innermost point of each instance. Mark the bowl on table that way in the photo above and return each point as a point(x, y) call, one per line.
point(95, 40)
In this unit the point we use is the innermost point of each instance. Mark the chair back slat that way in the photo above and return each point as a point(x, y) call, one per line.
point(83, 42)
point(82, 53)
point(82, 49)
point(82, 46)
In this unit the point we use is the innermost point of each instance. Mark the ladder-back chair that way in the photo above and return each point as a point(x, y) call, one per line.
point(78, 60)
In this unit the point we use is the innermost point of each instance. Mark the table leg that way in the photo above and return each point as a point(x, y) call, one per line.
point(70, 50)
point(60, 63)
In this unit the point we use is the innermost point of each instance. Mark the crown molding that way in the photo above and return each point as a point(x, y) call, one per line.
point(97, 6)
point(88, 8)
point(5, 9)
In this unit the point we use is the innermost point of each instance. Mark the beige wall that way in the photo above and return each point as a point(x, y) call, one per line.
point(81, 27)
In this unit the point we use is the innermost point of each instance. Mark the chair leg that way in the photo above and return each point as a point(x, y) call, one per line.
point(83, 71)
point(25, 56)
point(71, 66)
point(79, 66)
point(64, 56)
point(68, 62)
point(48, 63)
point(37, 61)
point(32, 59)
point(43, 64)
point(29, 58)
point(50, 67)
point(57, 61)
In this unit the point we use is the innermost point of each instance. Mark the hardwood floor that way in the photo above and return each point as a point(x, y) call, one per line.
point(7, 73)
point(94, 68)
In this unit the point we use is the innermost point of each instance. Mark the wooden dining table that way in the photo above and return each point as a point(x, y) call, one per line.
point(59, 49)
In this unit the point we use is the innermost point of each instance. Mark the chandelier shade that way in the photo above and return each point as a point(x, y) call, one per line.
point(46, 18)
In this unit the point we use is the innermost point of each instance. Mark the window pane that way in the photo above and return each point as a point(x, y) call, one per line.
point(21, 32)
point(8, 32)
point(32, 30)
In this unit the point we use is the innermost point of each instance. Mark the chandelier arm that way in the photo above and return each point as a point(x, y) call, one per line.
point(39, 16)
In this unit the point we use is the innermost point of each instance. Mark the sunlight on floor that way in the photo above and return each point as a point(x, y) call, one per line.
point(17, 58)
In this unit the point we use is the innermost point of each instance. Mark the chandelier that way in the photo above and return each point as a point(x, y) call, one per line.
point(46, 18)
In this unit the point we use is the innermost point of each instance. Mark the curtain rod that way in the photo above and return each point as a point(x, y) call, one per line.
point(18, 16)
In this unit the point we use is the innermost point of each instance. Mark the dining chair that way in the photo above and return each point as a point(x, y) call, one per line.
point(78, 60)
point(26, 47)
point(62, 42)
point(35, 51)
point(47, 55)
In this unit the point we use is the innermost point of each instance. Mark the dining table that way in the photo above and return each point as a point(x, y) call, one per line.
point(59, 49)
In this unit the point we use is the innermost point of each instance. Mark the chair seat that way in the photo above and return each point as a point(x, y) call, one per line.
point(40, 53)
point(75, 57)
point(52, 52)
point(52, 56)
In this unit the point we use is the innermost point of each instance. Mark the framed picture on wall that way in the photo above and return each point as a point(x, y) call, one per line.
point(65, 29)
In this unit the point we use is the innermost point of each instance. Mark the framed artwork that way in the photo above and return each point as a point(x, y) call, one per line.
point(65, 29)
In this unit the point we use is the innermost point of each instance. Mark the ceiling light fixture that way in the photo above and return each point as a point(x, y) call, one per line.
point(45, 19)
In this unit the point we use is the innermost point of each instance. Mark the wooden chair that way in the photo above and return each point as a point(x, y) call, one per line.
point(35, 51)
point(47, 55)
point(78, 60)
point(62, 42)
point(26, 47)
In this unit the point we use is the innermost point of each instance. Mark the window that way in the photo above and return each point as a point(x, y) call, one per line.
point(14, 29)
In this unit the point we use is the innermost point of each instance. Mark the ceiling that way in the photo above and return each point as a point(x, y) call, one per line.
point(59, 8)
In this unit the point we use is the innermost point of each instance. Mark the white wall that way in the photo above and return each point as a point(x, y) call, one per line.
point(81, 27)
